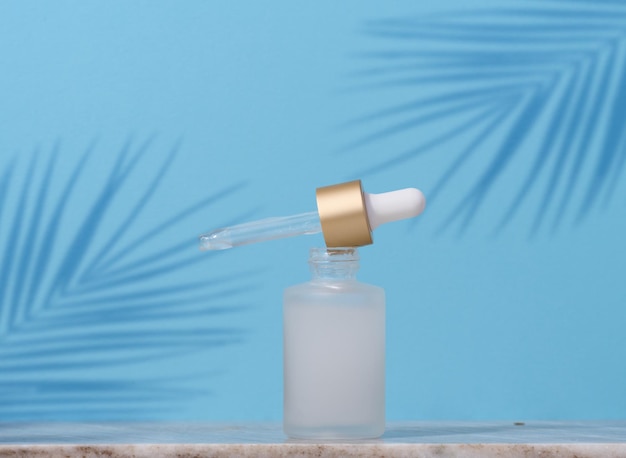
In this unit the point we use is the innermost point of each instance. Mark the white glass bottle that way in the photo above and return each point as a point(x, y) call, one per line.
point(334, 351)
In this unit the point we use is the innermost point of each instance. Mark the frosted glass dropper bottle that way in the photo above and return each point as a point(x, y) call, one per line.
point(334, 352)
point(334, 326)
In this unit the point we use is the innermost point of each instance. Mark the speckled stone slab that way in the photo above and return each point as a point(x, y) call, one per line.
point(409, 439)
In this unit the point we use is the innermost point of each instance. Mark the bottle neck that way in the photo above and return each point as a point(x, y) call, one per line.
point(334, 264)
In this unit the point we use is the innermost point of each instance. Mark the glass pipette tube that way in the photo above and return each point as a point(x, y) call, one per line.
point(261, 230)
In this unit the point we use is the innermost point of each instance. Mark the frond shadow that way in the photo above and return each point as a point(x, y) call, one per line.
point(30, 398)
point(72, 303)
point(551, 72)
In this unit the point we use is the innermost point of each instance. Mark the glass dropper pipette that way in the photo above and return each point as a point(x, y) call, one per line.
point(345, 215)
point(261, 231)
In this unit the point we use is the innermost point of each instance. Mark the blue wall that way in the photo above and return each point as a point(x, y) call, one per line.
point(128, 128)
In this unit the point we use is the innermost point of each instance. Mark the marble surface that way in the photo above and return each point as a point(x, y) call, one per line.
point(407, 439)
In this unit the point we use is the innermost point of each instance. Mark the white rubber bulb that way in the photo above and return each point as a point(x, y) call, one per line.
point(393, 206)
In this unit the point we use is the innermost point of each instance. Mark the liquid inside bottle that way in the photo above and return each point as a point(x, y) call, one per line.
point(334, 352)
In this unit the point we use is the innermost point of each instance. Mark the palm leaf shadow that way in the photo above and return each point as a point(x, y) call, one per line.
point(67, 311)
point(553, 71)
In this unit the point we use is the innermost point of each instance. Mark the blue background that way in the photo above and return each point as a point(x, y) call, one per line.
point(128, 128)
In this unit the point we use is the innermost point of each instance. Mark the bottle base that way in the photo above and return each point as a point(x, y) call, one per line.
point(333, 433)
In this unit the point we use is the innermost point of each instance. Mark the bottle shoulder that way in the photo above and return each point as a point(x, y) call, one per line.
point(327, 287)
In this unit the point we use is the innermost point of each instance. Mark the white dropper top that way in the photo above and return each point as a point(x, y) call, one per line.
point(393, 206)
point(346, 215)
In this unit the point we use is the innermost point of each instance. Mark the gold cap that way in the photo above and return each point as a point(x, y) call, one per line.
point(343, 215)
